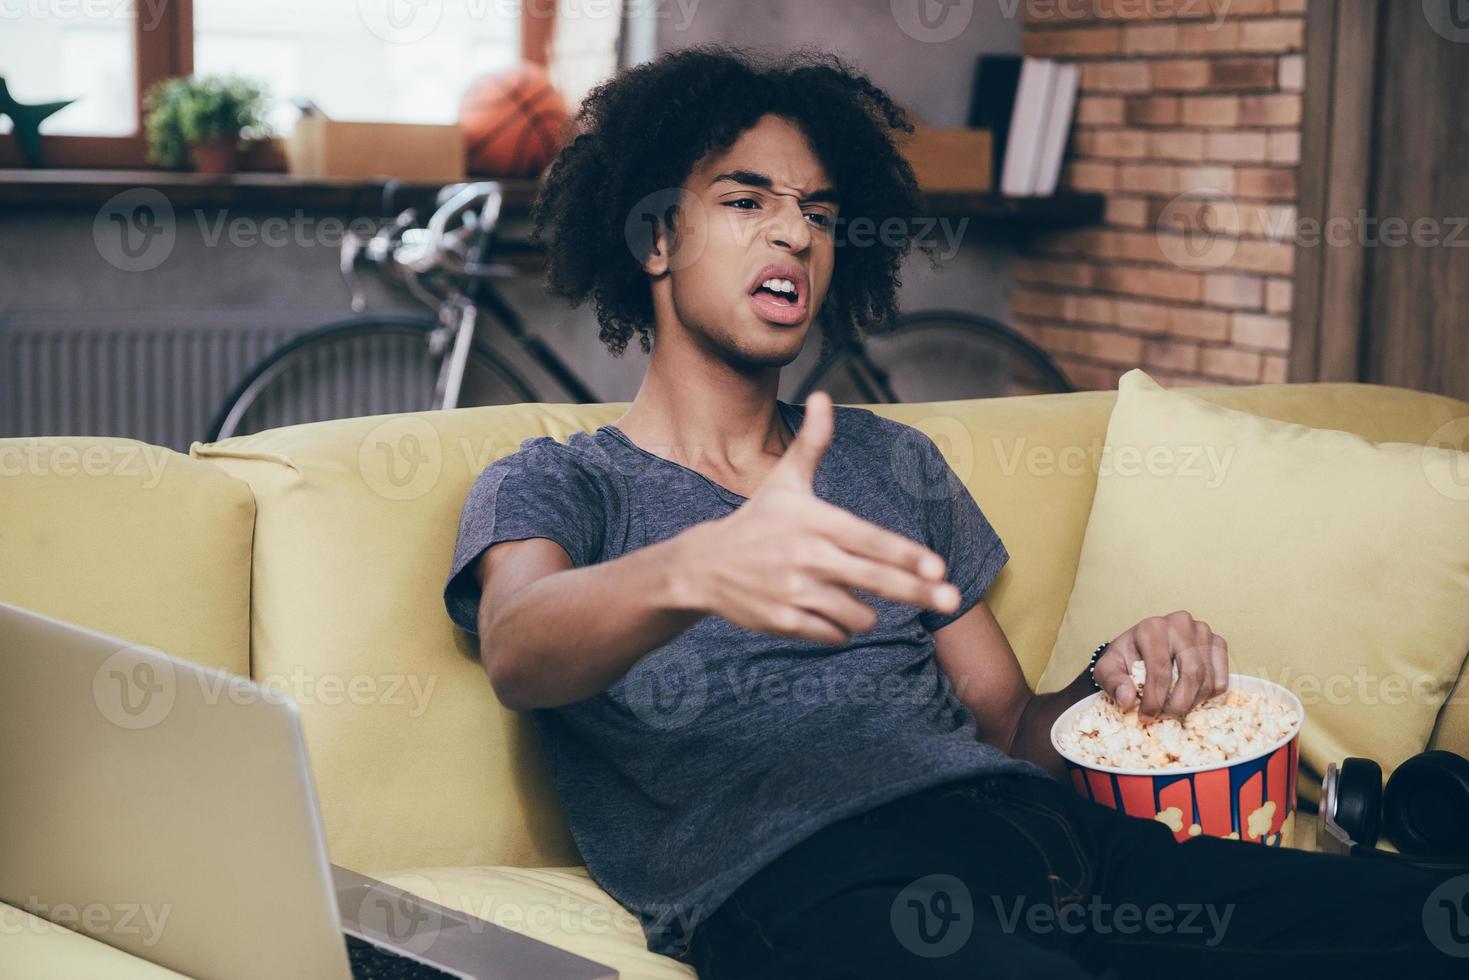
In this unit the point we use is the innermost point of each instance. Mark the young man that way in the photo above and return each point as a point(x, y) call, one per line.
point(787, 730)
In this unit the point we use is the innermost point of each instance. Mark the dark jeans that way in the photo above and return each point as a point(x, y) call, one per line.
point(1018, 876)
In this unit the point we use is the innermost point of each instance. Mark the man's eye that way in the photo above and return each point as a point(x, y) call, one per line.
point(822, 220)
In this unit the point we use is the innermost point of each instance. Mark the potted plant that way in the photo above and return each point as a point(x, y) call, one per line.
point(204, 118)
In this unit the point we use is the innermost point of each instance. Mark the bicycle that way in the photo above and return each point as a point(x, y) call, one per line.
point(375, 364)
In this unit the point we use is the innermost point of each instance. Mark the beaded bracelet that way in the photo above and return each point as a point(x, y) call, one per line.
point(1092, 664)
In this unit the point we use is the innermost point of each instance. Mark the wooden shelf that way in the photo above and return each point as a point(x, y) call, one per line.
point(1021, 213)
point(251, 191)
point(275, 191)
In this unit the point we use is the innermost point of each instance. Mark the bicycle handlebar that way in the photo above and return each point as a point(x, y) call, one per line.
point(416, 257)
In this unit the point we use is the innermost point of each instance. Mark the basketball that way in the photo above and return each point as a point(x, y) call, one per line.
point(513, 122)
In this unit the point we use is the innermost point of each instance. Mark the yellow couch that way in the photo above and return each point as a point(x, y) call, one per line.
point(313, 557)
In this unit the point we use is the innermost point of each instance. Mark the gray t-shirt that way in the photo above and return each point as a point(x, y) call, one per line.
point(721, 749)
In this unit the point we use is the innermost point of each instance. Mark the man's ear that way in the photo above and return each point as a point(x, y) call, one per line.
point(657, 261)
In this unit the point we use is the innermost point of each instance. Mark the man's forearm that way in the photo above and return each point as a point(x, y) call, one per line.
point(1032, 739)
point(573, 634)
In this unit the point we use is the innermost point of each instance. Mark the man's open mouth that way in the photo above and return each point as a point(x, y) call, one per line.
point(779, 294)
point(782, 289)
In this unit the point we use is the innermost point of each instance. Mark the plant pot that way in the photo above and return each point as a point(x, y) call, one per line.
point(217, 156)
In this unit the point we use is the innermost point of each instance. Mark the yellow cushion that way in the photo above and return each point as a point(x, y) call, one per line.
point(1333, 565)
point(563, 907)
point(1031, 462)
point(129, 539)
point(416, 762)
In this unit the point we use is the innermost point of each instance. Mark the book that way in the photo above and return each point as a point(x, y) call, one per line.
point(1058, 128)
point(992, 101)
point(1028, 127)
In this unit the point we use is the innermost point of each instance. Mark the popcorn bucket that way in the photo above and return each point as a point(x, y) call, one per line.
point(1251, 798)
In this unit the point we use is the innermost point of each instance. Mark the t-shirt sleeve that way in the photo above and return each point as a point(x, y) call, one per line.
point(540, 491)
point(958, 530)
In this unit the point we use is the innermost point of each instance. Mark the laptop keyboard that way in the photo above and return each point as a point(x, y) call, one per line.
point(371, 962)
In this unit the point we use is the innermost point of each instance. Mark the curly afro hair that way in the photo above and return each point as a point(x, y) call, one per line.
point(645, 130)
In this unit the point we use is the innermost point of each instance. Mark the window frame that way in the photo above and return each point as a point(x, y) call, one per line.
point(167, 51)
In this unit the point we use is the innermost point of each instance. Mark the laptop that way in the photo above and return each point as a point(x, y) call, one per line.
point(168, 809)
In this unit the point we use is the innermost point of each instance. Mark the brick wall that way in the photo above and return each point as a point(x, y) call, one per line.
point(1189, 120)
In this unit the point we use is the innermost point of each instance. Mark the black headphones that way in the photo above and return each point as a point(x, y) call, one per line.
point(1424, 810)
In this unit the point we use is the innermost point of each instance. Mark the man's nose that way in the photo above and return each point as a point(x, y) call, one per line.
point(788, 227)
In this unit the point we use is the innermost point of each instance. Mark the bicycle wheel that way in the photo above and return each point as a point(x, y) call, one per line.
point(937, 355)
point(368, 365)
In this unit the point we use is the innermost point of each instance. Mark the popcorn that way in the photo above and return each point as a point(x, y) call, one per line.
point(1234, 725)
point(1139, 672)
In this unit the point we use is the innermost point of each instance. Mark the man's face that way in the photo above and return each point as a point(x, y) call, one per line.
point(763, 210)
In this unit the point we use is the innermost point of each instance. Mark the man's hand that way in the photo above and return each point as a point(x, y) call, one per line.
point(786, 561)
point(1160, 641)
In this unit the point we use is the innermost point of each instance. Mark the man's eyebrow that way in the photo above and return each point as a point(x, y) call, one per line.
point(753, 178)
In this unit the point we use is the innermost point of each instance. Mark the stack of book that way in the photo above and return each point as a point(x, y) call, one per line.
point(1028, 104)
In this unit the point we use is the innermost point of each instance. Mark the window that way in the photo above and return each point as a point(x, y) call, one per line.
point(82, 52)
point(391, 60)
point(584, 50)
point(353, 63)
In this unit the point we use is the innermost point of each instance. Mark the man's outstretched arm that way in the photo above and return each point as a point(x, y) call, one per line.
point(785, 563)
point(986, 676)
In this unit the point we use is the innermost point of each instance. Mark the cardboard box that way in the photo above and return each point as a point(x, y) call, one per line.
point(951, 159)
point(321, 147)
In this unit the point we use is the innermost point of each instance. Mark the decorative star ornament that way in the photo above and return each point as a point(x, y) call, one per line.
point(26, 122)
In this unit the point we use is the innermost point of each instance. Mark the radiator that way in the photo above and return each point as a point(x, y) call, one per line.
point(157, 379)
